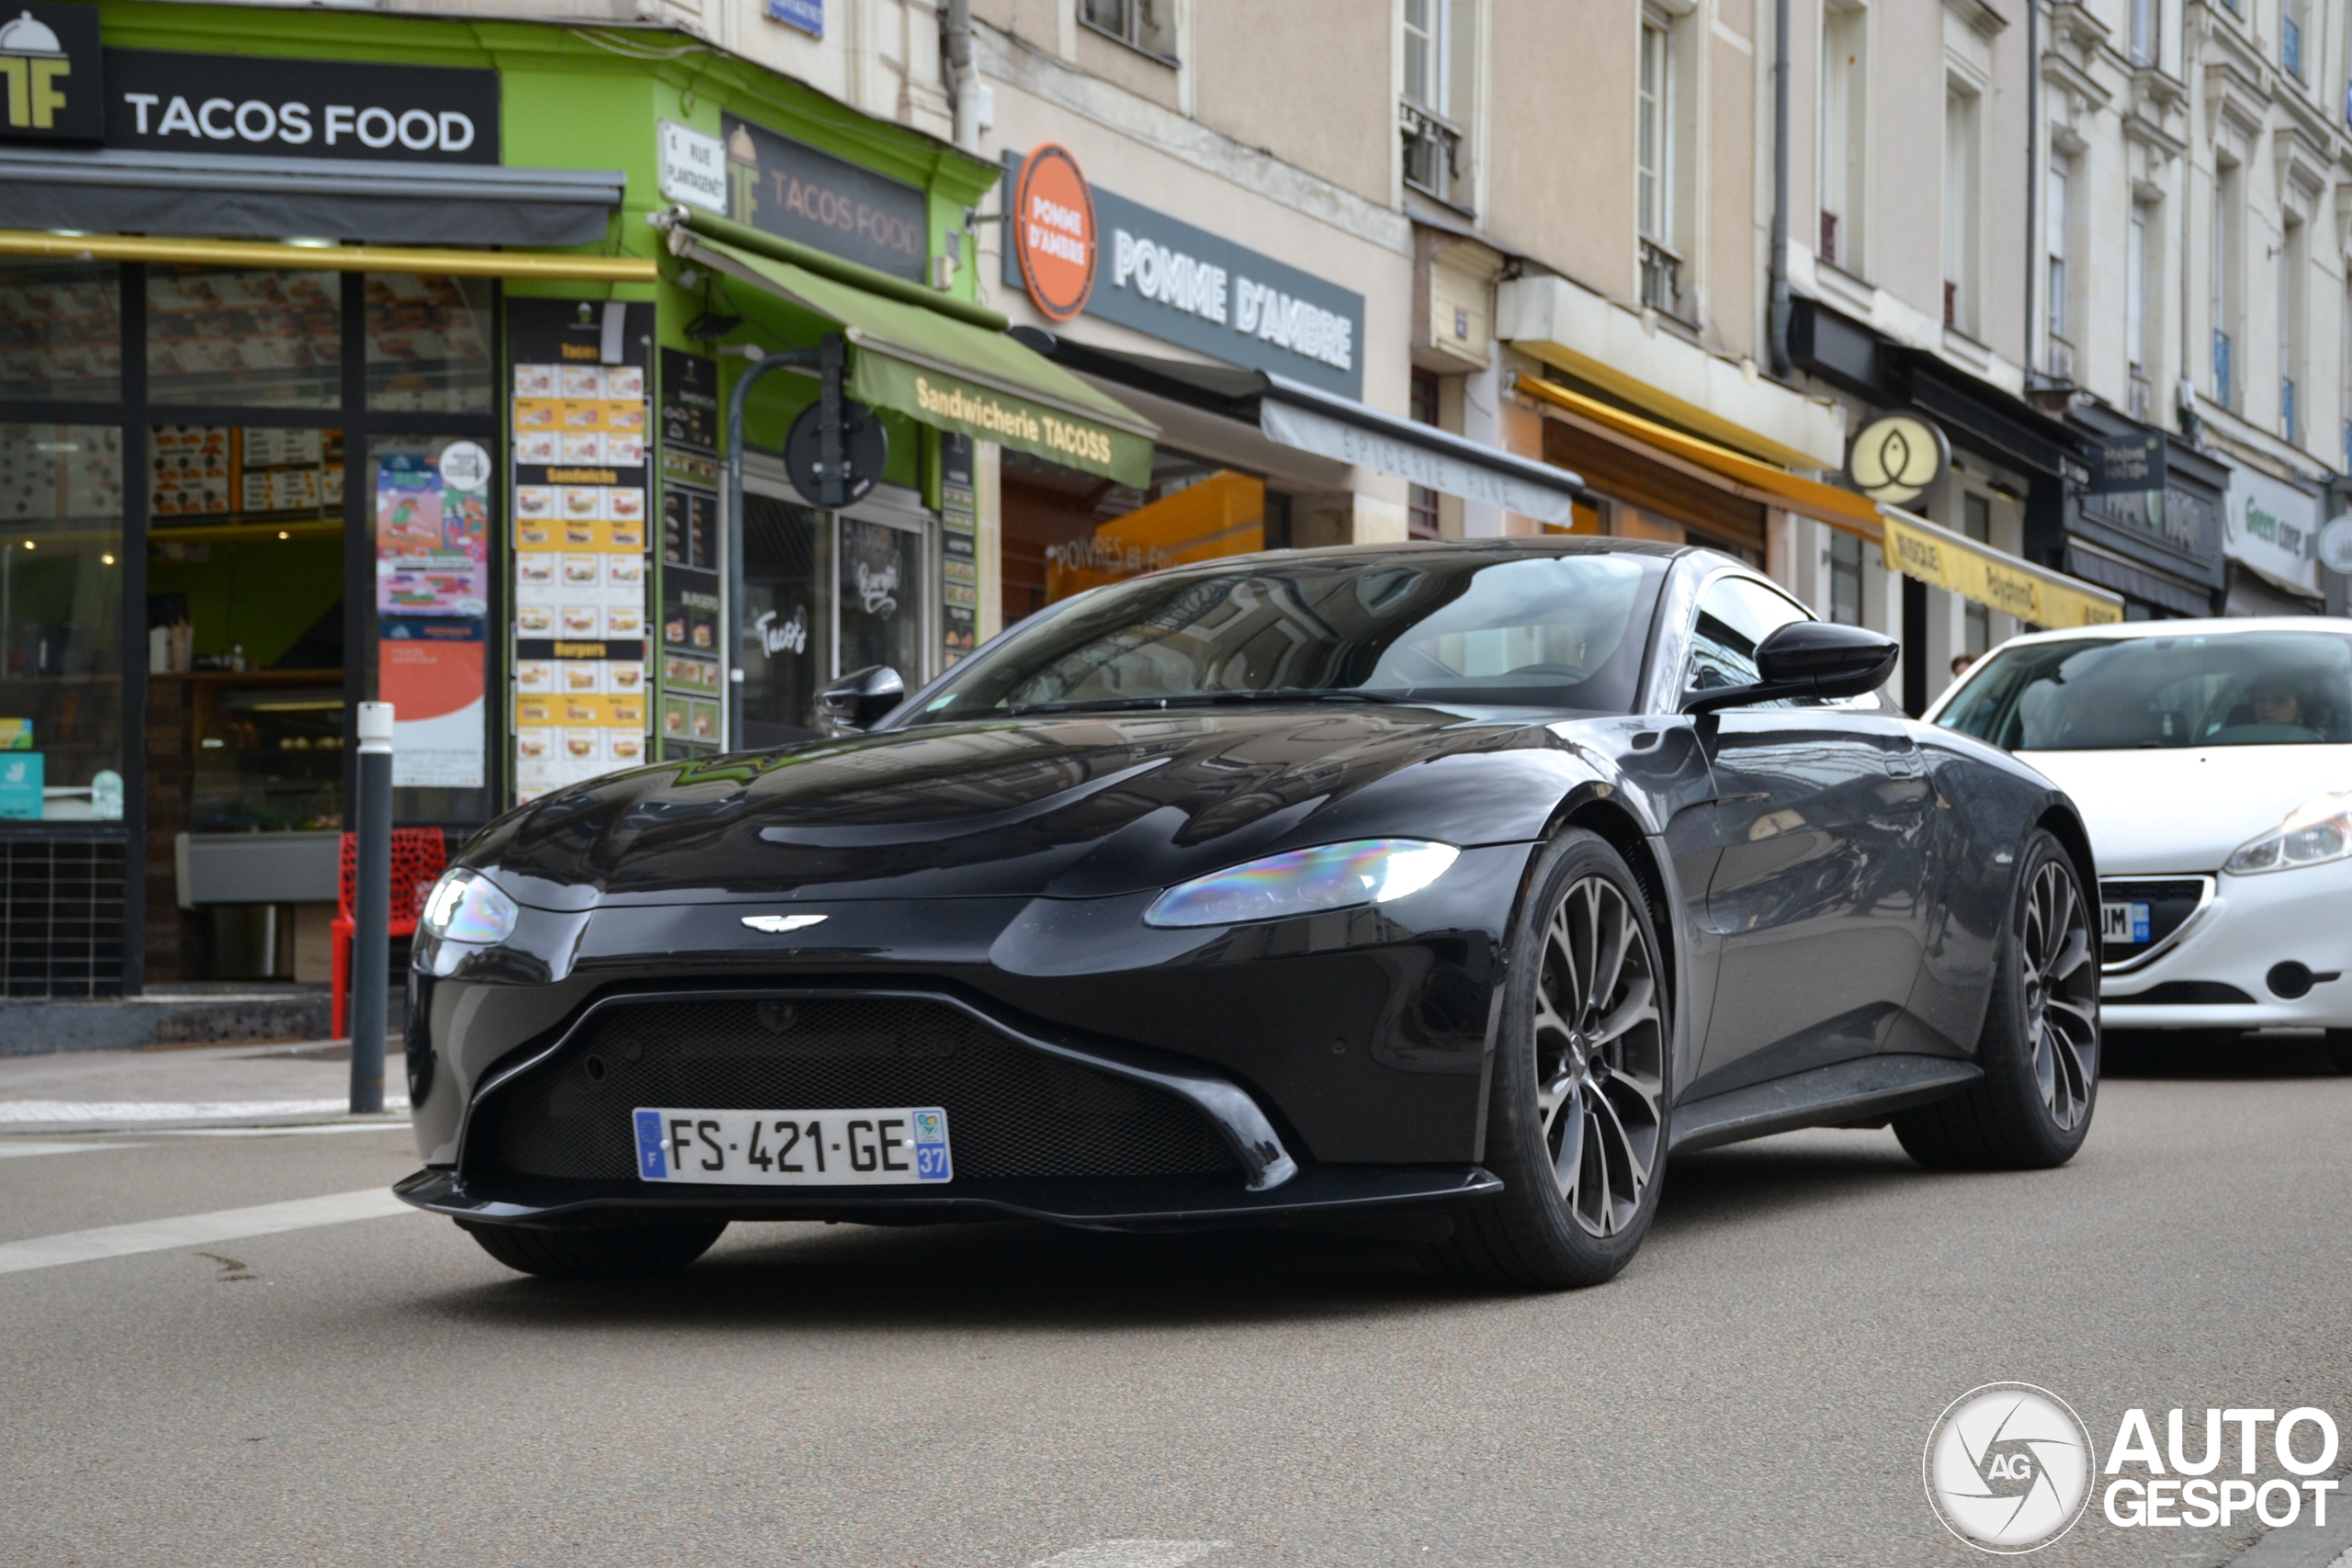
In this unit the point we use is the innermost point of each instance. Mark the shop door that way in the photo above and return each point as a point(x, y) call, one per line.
point(786, 651)
point(880, 595)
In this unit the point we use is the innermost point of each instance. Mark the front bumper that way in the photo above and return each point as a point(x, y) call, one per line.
point(2254, 925)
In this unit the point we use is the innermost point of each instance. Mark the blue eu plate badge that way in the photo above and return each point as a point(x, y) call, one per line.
point(652, 1157)
point(931, 1146)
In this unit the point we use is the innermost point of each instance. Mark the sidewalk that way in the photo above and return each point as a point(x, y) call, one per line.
point(95, 1091)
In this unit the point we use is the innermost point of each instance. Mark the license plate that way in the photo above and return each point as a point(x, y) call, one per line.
point(794, 1148)
point(2123, 923)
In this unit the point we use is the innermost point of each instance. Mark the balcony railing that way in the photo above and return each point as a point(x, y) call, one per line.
point(1661, 278)
point(1432, 151)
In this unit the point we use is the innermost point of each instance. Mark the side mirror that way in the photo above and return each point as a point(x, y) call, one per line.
point(859, 700)
point(1808, 659)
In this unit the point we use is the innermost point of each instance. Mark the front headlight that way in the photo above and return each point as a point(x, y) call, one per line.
point(2320, 829)
point(1305, 882)
point(466, 906)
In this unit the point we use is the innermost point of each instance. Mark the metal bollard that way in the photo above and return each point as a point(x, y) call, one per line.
point(371, 942)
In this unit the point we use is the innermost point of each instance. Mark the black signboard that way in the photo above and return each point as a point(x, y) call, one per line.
point(51, 71)
point(257, 105)
point(794, 192)
point(689, 403)
point(2121, 462)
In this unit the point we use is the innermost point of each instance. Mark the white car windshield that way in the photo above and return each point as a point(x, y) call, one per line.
point(2268, 688)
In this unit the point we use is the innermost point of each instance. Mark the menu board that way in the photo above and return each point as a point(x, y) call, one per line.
point(960, 566)
point(690, 690)
point(580, 541)
point(220, 473)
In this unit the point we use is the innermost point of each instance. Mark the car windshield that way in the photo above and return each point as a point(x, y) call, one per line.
point(1493, 627)
point(2117, 695)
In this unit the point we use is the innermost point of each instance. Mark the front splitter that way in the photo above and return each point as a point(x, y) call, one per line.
point(1132, 1203)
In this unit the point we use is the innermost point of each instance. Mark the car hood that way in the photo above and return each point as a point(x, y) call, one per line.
point(2163, 810)
point(1077, 806)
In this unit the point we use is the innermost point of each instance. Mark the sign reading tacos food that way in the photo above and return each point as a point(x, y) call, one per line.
point(52, 72)
point(791, 190)
point(260, 106)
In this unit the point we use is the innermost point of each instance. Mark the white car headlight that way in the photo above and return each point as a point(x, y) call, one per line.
point(2318, 831)
point(1305, 882)
point(466, 906)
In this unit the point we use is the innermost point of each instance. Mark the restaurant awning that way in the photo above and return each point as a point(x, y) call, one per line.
point(328, 258)
point(128, 190)
point(941, 361)
point(1735, 471)
point(1912, 545)
point(1941, 558)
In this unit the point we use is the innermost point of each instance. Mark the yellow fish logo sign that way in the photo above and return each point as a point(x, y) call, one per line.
point(33, 63)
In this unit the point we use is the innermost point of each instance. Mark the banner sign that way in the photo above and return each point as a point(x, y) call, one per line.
point(1345, 443)
point(951, 402)
point(1200, 290)
point(791, 190)
point(260, 106)
point(1941, 558)
point(431, 671)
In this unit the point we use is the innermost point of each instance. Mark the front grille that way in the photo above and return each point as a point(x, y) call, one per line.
point(2170, 901)
point(2188, 993)
point(1012, 1111)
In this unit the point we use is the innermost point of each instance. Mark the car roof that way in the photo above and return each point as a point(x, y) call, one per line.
point(2211, 625)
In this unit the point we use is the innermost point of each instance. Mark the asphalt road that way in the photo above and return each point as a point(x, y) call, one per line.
point(1754, 1389)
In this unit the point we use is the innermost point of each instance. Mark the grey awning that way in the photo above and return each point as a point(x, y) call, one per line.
point(113, 191)
point(1340, 429)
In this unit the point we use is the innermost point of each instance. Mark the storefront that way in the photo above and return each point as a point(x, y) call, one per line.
point(2145, 518)
point(348, 366)
point(2272, 539)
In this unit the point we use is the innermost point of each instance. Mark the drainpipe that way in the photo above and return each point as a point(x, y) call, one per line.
point(963, 76)
point(2032, 168)
point(1777, 318)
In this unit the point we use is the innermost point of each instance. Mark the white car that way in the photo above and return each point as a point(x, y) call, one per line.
point(2213, 762)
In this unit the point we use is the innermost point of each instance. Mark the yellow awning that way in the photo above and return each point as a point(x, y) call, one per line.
point(328, 258)
point(1941, 558)
point(1735, 471)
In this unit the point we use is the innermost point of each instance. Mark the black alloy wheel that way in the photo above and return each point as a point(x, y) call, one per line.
point(1577, 1127)
point(2040, 1048)
point(608, 1252)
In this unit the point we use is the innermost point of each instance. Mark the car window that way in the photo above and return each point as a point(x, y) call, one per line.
point(2268, 688)
point(1735, 613)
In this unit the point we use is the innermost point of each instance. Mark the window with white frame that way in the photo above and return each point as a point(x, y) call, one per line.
point(1961, 204)
point(2138, 296)
point(2294, 29)
point(2291, 325)
point(2226, 282)
point(2146, 37)
point(2058, 217)
point(1976, 522)
point(1654, 156)
point(1844, 124)
point(1845, 578)
point(1146, 25)
point(1438, 101)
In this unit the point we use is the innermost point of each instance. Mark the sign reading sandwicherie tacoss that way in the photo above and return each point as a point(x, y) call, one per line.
point(1185, 285)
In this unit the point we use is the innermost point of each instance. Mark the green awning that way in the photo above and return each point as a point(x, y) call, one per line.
point(951, 373)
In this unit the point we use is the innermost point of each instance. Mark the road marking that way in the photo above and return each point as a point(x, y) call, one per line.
point(195, 1230)
point(1133, 1554)
point(16, 1148)
point(37, 1111)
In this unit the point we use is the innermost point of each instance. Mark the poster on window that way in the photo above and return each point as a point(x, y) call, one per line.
point(430, 670)
point(433, 535)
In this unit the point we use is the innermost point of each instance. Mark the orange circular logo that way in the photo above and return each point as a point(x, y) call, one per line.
point(1053, 232)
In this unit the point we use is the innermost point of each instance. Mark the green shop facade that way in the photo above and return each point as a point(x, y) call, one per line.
point(348, 357)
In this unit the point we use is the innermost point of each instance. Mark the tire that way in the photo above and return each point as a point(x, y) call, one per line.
point(1578, 1082)
point(2040, 1048)
point(616, 1252)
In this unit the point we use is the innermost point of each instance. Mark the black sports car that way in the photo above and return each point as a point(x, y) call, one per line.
point(1455, 883)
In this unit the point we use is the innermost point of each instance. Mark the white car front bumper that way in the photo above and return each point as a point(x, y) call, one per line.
point(2253, 925)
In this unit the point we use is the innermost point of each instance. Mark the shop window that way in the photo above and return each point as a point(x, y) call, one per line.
point(881, 599)
point(1146, 25)
point(1845, 578)
point(787, 629)
point(244, 337)
point(428, 343)
point(1065, 531)
point(61, 332)
point(60, 636)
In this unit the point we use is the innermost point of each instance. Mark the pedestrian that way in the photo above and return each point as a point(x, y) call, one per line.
point(1960, 664)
